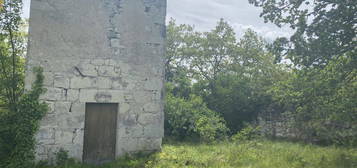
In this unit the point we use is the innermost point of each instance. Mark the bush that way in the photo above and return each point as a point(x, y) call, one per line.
point(62, 158)
point(19, 125)
point(191, 118)
point(246, 134)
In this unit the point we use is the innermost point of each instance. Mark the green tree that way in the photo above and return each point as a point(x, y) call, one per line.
point(324, 29)
point(11, 53)
point(321, 104)
point(186, 113)
point(19, 111)
point(214, 51)
point(179, 43)
point(241, 93)
point(231, 76)
point(198, 56)
point(319, 96)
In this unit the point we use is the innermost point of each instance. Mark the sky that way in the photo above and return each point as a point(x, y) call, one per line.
point(204, 15)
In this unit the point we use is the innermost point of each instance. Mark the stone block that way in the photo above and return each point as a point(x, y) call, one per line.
point(107, 71)
point(128, 119)
point(142, 96)
point(149, 118)
point(78, 108)
point(63, 136)
point(74, 151)
point(117, 83)
point(86, 70)
point(87, 95)
point(72, 95)
point(40, 150)
point(71, 120)
point(111, 62)
point(49, 121)
point(153, 84)
point(114, 42)
point(82, 82)
point(53, 94)
point(61, 81)
point(62, 107)
point(129, 83)
point(108, 96)
point(103, 96)
point(29, 78)
point(131, 131)
point(51, 106)
point(156, 95)
point(46, 136)
point(48, 81)
point(128, 97)
point(124, 108)
point(125, 68)
point(118, 96)
point(149, 144)
point(155, 130)
point(98, 62)
point(78, 135)
point(103, 83)
point(153, 107)
point(126, 145)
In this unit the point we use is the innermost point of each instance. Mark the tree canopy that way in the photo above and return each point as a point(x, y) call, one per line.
point(324, 29)
point(232, 76)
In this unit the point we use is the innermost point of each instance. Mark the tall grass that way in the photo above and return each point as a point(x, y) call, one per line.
point(252, 154)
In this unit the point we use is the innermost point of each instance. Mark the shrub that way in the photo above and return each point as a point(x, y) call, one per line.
point(62, 158)
point(19, 125)
point(192, 118)
point(246, 134)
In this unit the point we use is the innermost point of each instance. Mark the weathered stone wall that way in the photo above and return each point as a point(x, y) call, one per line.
point(99, 51)
point(277, 126)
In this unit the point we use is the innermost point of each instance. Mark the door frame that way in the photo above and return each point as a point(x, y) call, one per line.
point(85, 125)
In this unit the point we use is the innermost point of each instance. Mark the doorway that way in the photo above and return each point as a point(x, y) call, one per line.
point(100, 133)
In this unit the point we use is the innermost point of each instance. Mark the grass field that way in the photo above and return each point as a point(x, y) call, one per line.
point(260, 154)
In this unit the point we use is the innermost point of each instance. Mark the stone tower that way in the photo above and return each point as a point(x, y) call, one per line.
point(103, 63)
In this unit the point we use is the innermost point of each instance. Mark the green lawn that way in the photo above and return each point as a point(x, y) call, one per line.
point(263, 154)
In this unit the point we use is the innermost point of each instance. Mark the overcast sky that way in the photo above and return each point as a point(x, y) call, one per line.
point(204, 14)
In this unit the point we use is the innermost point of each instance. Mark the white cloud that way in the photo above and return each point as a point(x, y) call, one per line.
point(241, 15)
point(204, 14)
point(266, 32)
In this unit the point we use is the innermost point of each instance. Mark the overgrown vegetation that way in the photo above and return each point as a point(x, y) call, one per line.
point(190, 118)
point(231, 77)
point(313, 99)
point(254, 154)
point(20, 111)
point(219, 88)
point(321, 104)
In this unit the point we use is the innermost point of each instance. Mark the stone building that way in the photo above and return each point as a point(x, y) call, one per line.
point(103, 63)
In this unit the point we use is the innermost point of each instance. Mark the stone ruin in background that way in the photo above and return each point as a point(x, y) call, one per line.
point(103, 63)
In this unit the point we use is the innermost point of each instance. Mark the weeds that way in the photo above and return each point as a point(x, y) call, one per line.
point(252, 154)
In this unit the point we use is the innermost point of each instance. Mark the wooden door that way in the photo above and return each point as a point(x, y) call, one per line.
point(100, 133)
